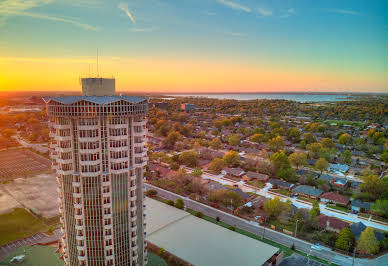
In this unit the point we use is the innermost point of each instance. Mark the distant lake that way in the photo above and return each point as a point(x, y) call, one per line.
point(273, 96)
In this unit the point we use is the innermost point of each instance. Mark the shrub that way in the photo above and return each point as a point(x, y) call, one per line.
point(199, 214)
point(179, 204)
point(217, 219)
point(170, 202)
point(151, 193)
point(293, 246)
point(231, 227)
point(161, 251)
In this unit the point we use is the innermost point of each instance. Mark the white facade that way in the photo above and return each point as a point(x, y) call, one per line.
point(99, 154)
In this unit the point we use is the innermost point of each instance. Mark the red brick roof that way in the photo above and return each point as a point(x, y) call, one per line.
point(335, 197)
point(333, 222)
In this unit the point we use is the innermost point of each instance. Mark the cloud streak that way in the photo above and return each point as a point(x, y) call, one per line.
point(234, 5)
point(264, 12)
point(10, 8)
point(124, 7)
point(345, 12)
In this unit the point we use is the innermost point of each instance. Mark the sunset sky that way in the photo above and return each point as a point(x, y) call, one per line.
point(194, 46)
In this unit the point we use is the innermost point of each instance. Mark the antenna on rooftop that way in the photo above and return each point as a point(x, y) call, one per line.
point(97, 64)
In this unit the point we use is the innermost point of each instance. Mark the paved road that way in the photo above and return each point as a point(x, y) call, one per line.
point(301, 245)
point(9, 248)
point(263, 192)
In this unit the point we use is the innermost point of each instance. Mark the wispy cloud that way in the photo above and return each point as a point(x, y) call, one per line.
point(209, 13)
point(9, 8)
point(144, 29)
point(264, 11)
point(234, 5)
point(235, 34)
point(288, 12)
point(124, 7)
point(345, 11)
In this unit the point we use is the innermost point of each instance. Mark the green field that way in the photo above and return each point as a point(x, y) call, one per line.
point(19, 224)
point(155, 260)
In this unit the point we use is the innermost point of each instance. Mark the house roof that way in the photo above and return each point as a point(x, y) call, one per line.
point(256, 175)
point(215, 186)
point(308, 190)
point(358, 228)
point(337, 180)
point(95, 99)
point(333, 222)
point(234, 171)
point(304, 172)
point(280, 183)
point(339, 167)
point(335, 197)
point(360, 204)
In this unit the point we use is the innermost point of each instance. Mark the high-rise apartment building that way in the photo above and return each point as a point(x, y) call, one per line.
point(99, 155)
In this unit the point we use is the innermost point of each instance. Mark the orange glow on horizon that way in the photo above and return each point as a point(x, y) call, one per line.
point(173, 76)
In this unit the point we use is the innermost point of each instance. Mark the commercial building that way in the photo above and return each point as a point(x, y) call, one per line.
point(99, 154)
point(187, 107)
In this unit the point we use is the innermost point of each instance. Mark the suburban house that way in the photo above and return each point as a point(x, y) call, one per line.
point(304, 172)
point(233, 172)
point(331, 224)
point(334, 198)
point(359, 206)
point(217, 186)
point(157, 170)
point(280, 183)
point(249, 176)
point(358, 228)
point(338, 181)
point(308, 191)
point(336, 167)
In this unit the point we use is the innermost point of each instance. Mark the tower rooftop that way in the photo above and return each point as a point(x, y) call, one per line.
point(95, 99)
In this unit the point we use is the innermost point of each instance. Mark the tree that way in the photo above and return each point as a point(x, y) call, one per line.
point(258, 138)
point(197, 171)
point(315, 211)
point(368, 244)
point(346, 157)
point(216, 165)
point(276, 144)
point(234, 140)
point(179, 204)
point(293, 134)
point(327, 143)
point(373, 185)
point(297, 159)
point(287, 174)
point(321, 165)
point(216, 144)
point(344, 139)
point(314, 149)
point(345, 239)
point(172, 138)
point(189, 158)
point(280, 160)
point(309, 138)
point(233, 199)
point(232, 158)
point(381, 207)
point(273, 207)
point(384, 157)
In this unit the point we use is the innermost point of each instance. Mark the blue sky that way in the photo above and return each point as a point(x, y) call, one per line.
point(340, 40)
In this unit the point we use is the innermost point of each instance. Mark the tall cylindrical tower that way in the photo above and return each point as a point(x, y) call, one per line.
point(99, 153)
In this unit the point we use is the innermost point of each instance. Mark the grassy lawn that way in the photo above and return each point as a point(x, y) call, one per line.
point(19, 224)
point(284, 192)
point(155, 260)
point(338, 208)
point(306, 199)
point(256, 183)
point(290, 226)
point(345, 122)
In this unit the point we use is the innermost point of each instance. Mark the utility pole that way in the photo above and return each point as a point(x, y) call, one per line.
point(296, 227)
point(265, 219)
point(354, 254)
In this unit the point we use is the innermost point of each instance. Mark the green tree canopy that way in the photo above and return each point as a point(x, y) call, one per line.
point(276, 144)
point(298, 159)
point(189, 158)
point(216, 144)
point(258, 138)
point(345, 239)
point(327, 143)
point(280, 160)
point(231, 158)
point(367, 243)
point(234, 140)
point(344, 139)
point(216, 165)
point(321, 165)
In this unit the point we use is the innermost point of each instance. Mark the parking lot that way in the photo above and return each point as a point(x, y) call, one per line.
point(21, 162)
